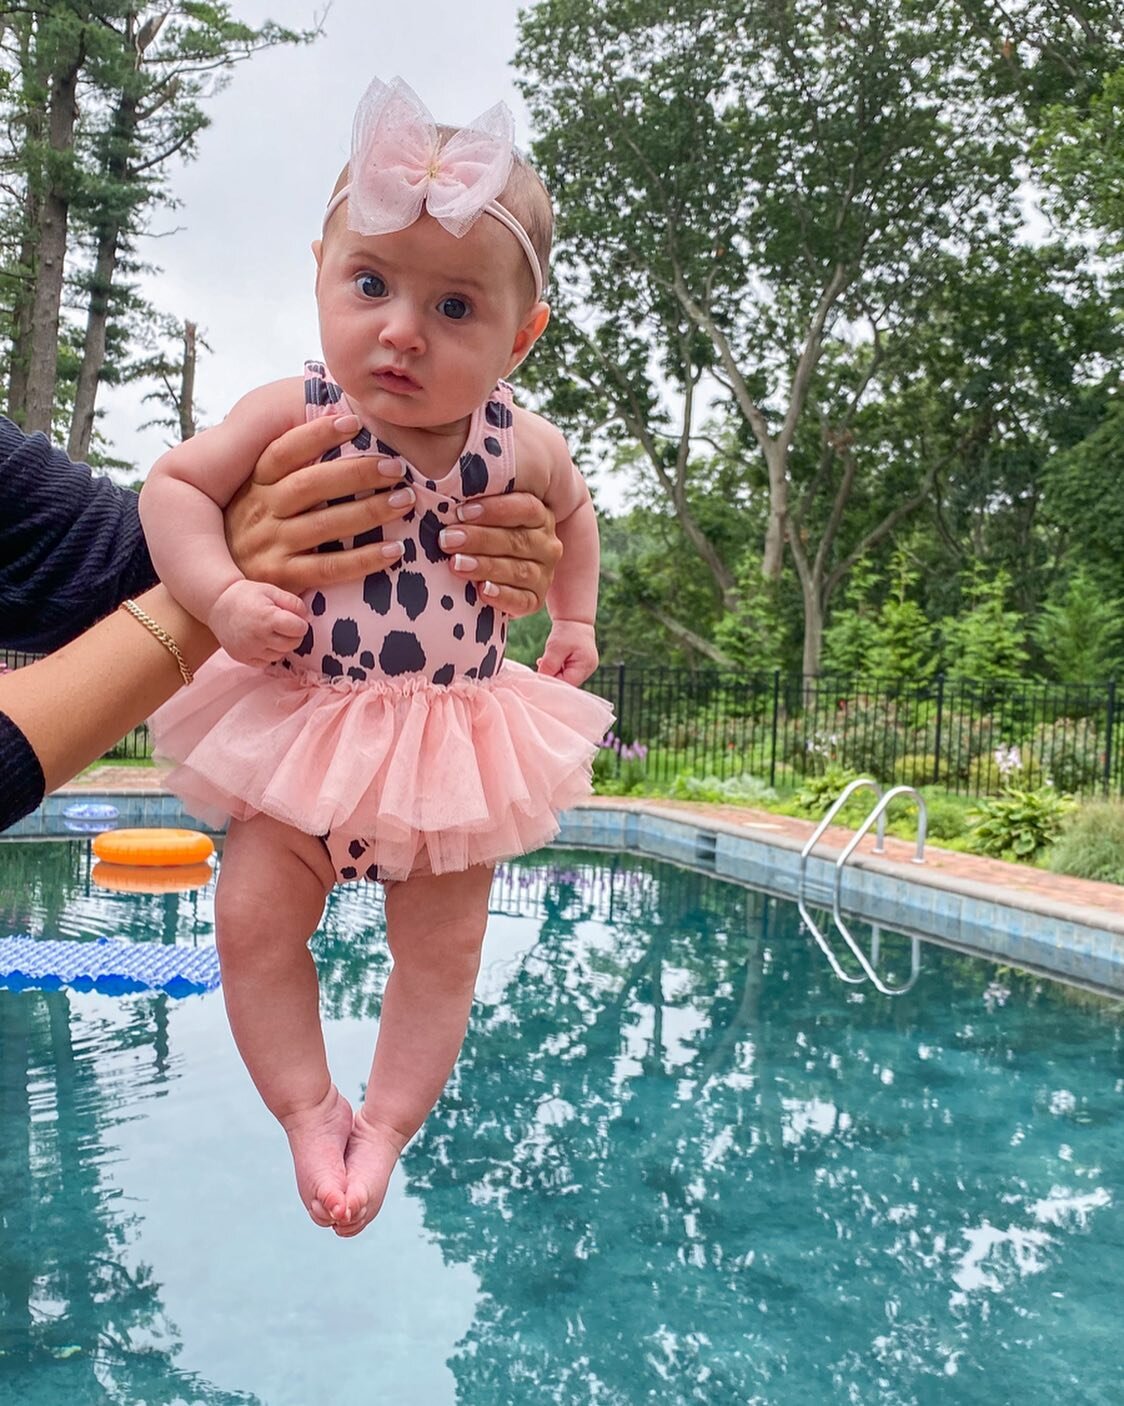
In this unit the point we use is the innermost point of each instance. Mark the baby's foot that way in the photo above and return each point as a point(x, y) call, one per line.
point(317, 1139)
point(372, 1152)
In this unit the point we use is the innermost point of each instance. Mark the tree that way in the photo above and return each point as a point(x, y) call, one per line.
point(1079, 632)
point(757, 203)
point(91, 172)
point(988, 641)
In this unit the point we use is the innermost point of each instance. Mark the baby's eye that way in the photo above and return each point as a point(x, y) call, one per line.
point(456, 308)
point(371, 285)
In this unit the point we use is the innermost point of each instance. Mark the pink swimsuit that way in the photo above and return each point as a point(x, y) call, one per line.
point(395, 729)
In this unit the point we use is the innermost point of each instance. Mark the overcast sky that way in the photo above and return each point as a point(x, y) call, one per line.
point(235, 256)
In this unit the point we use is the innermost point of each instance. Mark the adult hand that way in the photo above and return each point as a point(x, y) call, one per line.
point(507, 543)
point(287, 508)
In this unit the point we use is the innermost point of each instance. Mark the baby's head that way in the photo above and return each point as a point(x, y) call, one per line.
point(524, 197)
point(431, 268)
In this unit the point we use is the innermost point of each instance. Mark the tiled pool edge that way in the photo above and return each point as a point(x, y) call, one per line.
point(1080, 944)
point(1084, 945)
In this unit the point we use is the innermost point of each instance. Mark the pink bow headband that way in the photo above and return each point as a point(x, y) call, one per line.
point(397, 168)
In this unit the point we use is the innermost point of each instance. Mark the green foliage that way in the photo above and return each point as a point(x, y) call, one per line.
point(947, 816)
point(818, 794)
point(742, 790)
point(987, 641)
point(753, 635)
point(1091, 845)
point(1079, 632)
point(851, 636)
point(1019, 824)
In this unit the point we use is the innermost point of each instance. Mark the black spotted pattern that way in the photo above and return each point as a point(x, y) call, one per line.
point(318, 604)
point(365, 539)
point(474, 475)
point(376, 591)
point(497, 414)
point(493, 446)
point(332, 667)
point(446, 602)
point(445, 675)
point(412, 593)
point(401, 653)
point(485, 624)
point(305, 646)
point(428, 530)
point(409, 550)
point(345, 638)
point(488, 663)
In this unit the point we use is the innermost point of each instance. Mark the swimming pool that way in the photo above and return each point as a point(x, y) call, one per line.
point(679, 1162)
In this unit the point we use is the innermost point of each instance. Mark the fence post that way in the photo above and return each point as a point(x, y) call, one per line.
point(620, 709)
point(776, 713)
point(1111, 713)
point(940, 720)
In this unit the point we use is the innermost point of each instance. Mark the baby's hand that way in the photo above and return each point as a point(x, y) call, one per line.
point(257, 623)
point(570, 653)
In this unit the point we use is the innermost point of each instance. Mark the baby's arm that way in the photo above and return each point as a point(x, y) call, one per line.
point(571, 647)
point(181, 511)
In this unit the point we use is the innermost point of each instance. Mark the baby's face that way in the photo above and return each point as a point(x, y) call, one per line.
point(418, 326)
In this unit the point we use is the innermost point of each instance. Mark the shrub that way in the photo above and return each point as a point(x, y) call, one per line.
point(735, 790)
point(947, 815)
point(1092, 844)
point(1018, 824)
point(818, 793)
point(1071, 755)
point(916, 769)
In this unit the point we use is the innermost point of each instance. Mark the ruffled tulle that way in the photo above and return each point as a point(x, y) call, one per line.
point(444, 777)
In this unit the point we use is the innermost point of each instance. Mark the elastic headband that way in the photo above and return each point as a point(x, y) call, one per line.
point(398, 168)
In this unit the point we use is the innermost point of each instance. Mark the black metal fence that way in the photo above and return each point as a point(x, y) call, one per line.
point(967, 737)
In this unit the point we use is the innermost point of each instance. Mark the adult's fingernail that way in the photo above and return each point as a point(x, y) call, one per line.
point(392, 550)
point(390, 468)
point(400, 497)
point(489, 588)
point(463, 563)
point(450, 537)
point(469, 512)
point(346, 424)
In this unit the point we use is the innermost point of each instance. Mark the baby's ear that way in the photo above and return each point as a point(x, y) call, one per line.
point(534, 325)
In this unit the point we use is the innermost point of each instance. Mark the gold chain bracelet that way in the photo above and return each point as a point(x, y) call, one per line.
point(162, 635)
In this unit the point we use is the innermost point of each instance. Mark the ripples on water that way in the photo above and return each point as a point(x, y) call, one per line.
point(678, 1163)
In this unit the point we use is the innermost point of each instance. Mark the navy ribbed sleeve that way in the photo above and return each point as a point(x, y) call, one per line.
point(21, 776)
point(71, 545)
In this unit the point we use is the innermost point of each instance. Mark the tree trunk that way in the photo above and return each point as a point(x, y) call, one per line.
point(43, 341)
point(187, 383)
point(93, 347)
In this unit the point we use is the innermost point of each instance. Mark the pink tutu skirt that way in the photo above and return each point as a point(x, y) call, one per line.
point(432, 776)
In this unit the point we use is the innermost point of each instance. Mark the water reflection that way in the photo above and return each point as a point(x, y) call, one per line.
point(680, 1160)
point(700, 1169)
point(78, 1322)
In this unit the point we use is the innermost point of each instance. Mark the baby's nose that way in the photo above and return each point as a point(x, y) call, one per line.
point(402, 329)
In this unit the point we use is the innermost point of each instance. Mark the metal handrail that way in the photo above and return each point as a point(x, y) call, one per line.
point(825, 946)
point(841, 800)
point(878, 813)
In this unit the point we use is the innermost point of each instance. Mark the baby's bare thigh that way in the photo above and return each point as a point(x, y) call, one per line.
point(272, 881)
point(442, 911)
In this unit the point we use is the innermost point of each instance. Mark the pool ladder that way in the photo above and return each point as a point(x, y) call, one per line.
point(877, 815)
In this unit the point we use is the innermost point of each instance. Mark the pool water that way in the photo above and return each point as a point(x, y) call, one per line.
point(679, 1162)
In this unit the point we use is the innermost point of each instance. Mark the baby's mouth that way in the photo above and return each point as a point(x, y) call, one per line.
point(398, 382)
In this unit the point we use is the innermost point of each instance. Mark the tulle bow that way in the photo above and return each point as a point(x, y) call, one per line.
point(397, 169)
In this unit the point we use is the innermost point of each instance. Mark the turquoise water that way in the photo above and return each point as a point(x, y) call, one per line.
point(678, 1163)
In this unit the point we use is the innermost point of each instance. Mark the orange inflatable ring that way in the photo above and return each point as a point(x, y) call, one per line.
point(153, 878)
point(153, 847)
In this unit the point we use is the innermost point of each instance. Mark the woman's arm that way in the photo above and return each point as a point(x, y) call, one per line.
point(73, 705)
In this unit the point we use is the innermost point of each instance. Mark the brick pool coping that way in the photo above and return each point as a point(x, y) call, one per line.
point(1072, 928)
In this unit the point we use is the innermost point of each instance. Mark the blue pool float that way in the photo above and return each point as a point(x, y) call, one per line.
point(90, 817)
point(107, 965)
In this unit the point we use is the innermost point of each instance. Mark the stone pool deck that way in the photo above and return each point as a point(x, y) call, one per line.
point(1072, 928)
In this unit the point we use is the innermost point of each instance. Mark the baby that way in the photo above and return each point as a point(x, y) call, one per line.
point(374, 731)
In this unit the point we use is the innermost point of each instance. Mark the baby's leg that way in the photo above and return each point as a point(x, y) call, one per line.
point(272, 884)
point(434, 927)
